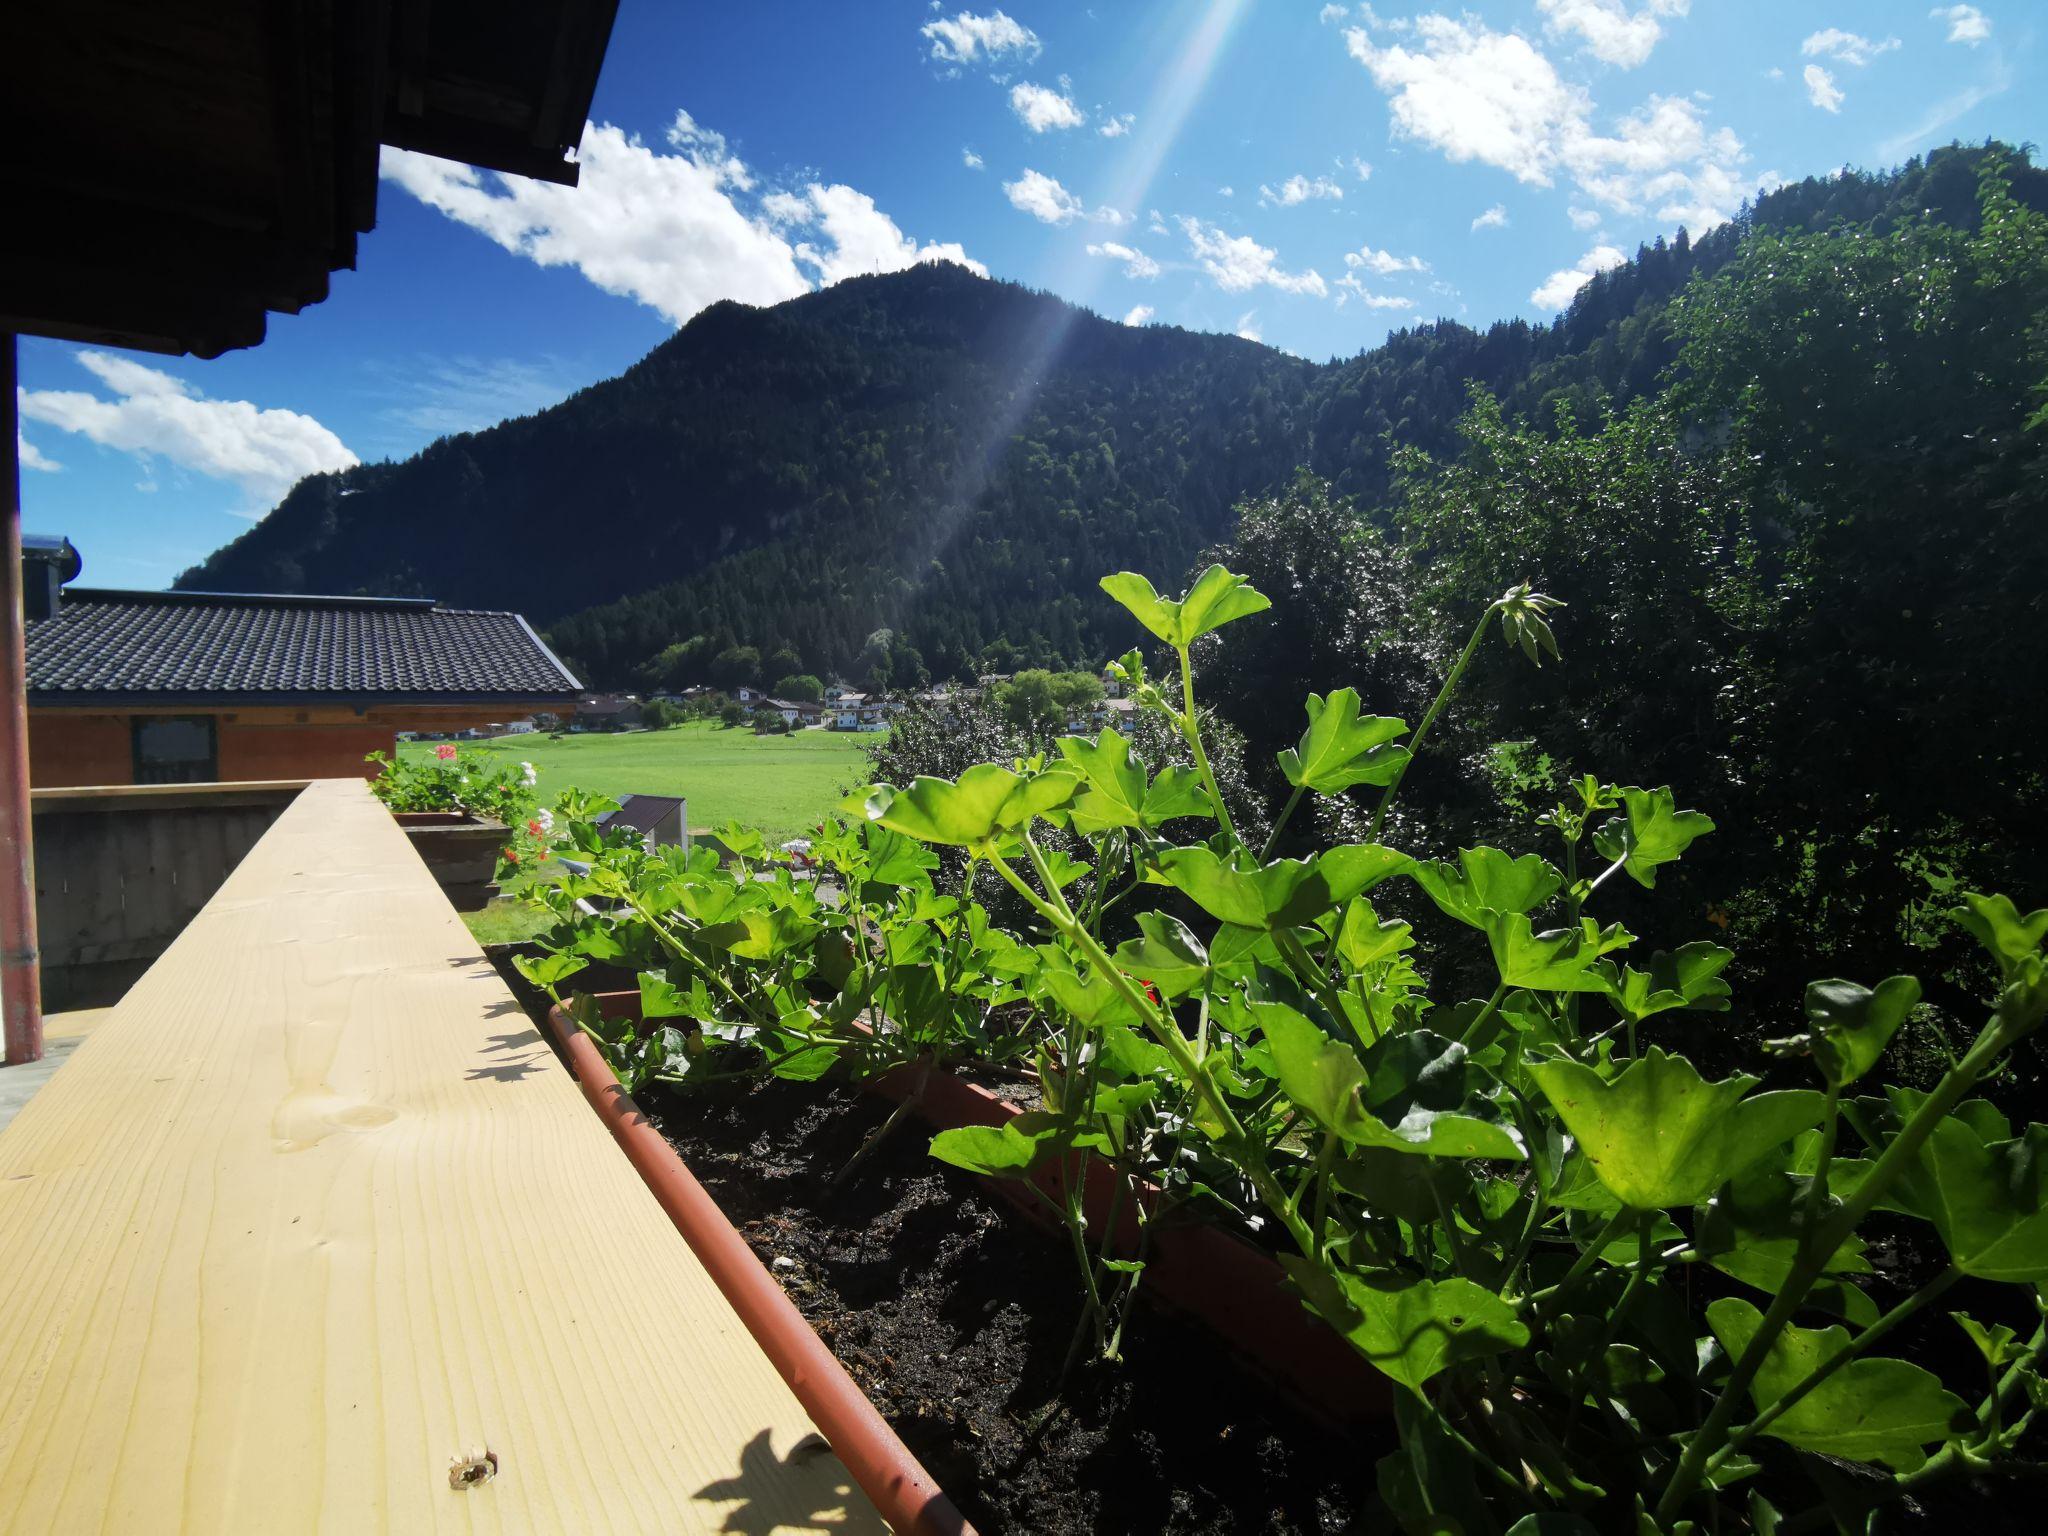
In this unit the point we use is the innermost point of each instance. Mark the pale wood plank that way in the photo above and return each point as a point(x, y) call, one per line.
point(315, 1210)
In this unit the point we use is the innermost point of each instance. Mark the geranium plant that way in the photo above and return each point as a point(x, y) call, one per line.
point(450, 779)
point(1613, 1292)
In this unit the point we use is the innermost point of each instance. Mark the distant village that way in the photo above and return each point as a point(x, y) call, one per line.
point(842, 708)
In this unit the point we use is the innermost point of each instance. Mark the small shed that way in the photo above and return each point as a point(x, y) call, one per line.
point(664, 818)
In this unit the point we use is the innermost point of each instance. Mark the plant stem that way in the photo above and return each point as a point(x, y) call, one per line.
point(1193, 733)
point(1379, 817)
point(1250, 1156)
point(1820, 1373)
point(1817, 1243)
point(1286, 811)
point(1584, 1261)
point(1470, 1039)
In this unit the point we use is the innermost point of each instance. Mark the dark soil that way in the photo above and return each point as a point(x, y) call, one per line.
point(953, 1313)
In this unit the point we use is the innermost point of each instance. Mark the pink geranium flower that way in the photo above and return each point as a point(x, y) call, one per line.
point(445, 751)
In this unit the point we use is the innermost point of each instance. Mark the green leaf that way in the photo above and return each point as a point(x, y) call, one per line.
point(1852, 1024)
point(1216, 885)
point(987, 798)
point(1362, 939)
point(767, 932)
point(1003, 1151)
point(1877, 1410)
point(1660, 1135)
point(1174, 793)
point(894, 859)
point(661, 998)
point(1750, 1231)
point(545, 970)
point(1687, 977)
point(1998, 1344)
point(1216, 598)
point(1651, 831)
point(1411, 1329)
point(1168, 955)
point(1422, 1099)
point(1339, 750)
point(1989, 1201)
point(1997, 924)
point(1115, 793)
point(1485, 881)
point(1559, 960)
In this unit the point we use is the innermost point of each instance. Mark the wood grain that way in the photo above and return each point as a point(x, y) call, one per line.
point(315, 1212)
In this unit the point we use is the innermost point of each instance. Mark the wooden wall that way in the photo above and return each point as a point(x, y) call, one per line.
point(118, 876)
point(69, 748)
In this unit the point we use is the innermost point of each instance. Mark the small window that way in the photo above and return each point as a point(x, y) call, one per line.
point(175, 749)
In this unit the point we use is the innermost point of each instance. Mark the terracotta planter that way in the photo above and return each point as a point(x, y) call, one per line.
point(1202, 1273)
point(460, 851)
point(902, 1492)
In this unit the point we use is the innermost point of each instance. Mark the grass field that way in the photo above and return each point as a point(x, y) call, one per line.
point(780, 784)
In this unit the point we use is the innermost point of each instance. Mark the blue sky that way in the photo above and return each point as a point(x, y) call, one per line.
point(1309, 174)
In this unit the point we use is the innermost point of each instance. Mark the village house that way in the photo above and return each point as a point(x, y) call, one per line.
point(199, 687)
point(607, 712)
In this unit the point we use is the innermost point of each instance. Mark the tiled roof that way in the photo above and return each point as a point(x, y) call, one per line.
point(176, 646)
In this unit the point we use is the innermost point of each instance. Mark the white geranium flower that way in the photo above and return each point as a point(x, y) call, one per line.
point(527, 776)
point(546, 818)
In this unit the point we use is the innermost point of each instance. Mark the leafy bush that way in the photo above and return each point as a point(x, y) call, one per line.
point(1613, 1292)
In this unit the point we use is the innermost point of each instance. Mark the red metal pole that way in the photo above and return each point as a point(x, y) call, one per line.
point(21, 982)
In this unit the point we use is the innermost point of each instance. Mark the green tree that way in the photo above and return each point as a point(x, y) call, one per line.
point(802, 687)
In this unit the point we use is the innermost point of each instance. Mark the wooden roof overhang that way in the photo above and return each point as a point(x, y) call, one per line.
point(174, 169)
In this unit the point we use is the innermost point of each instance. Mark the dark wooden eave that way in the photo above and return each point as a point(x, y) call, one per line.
point(174, 169)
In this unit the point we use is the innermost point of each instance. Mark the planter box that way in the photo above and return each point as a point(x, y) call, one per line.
point(1205, 1274)
point(460, 851)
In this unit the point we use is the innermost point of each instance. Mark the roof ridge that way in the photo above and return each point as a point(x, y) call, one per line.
point(190, 599)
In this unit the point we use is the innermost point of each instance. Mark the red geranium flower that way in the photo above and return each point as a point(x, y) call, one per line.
point(536, 829)
point(511, 855)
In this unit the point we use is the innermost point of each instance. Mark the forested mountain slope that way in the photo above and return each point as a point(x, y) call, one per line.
point(926, 472)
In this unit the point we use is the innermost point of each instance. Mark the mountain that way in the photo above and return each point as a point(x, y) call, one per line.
point(926, 472)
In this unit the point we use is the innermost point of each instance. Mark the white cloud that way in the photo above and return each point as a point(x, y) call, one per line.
point(1362, 169)
point(1582, 218)
point(862, 239)
point(1476, 94)
point(439, 394)
point(1298, 189)
point(1238, 263)
point(1140, 314)
point(1039, 107)
point(1330, 13)
point(1384, 263)
point(1043, 198)
point(1247, 326)
point(1609, 30)
point(968, 38)
point(1845, 47)
point(670, 230)
point(153, 415)
point(1350, 286)
point(1226, 191)
point(30, 456)
point(970, 159)
point(1966, 24)
point(1117, 126)
point(1495, 217)
point(1557, 290)
point(1820, 88)
point(1136, 263)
